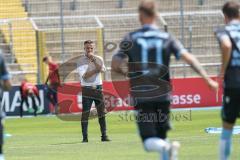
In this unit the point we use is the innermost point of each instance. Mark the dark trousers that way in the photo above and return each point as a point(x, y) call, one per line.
point(52, 95)
point(25, 99)
point(90, 95)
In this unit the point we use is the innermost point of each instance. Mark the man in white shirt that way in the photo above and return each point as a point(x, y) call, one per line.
point(91, 82)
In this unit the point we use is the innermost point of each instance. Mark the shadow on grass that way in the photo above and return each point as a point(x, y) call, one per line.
point(66, 143)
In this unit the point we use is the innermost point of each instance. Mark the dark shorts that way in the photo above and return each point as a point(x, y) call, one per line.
point(231, 105)
point(153, 119)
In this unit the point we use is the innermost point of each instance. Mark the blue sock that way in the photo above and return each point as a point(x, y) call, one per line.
point(165, 155)
point(225, 144)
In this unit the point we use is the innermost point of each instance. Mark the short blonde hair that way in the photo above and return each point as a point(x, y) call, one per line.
point(148, 8)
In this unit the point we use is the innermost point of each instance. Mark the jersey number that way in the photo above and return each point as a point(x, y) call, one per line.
point(148, 44)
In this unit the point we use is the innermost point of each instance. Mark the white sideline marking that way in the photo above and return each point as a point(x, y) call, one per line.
point(116, 112)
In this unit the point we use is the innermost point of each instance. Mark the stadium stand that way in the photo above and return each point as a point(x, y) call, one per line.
point(103, 21)
point(20, 37)
point(197, 38)
point(108, 7)
point(76, 31)
point(11, 9)
point(6, 49)
point(200, 40)
point(115, 27)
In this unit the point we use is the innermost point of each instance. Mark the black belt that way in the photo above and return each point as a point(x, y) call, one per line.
point(93, 87)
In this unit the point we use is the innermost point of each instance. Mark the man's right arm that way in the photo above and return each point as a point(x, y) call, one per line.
point(226, 48)
point(46, 82)
point(121, 58)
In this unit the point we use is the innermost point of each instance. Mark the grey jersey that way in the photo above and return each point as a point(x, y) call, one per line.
point(232, 75)
point(150, 50)
point(4, 75)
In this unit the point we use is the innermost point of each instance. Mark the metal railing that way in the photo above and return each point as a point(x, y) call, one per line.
point(100, 23)
point(185, 26)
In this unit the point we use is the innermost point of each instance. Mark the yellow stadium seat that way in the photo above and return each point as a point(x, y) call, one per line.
point(23, 36)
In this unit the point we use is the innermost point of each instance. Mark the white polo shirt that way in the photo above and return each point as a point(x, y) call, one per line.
point(86, 65)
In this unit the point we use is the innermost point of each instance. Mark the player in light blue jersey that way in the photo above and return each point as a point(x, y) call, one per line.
point(147, 52)
point(229, 40)
point(5, 85)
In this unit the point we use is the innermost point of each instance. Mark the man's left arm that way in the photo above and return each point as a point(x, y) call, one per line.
point(89, 74)
point(99, 64)
point(5, 77)
point(180, 52)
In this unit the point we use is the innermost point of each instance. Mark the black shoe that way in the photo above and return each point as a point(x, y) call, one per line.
point(85, 140)
point(105, 139)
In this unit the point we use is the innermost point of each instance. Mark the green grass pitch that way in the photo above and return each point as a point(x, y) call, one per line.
point(48, 138)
